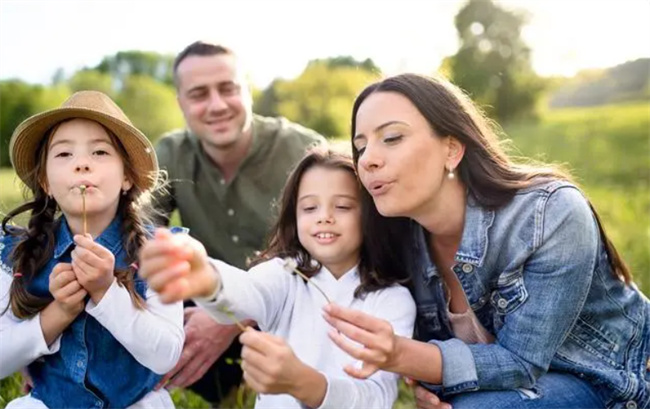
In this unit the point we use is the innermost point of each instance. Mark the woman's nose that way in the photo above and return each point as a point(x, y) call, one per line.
point(82, 167)
point(370, 159)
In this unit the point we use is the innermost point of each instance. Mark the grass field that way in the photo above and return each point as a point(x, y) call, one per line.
point(608, 150)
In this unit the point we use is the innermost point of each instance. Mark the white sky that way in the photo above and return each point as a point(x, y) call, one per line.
point(278, 37)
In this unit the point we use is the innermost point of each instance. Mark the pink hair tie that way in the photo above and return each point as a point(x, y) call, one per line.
point(134, 266)
point(18, 275)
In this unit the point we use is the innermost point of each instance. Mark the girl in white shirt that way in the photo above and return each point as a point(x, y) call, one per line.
point(293, 363)
point(72, 308)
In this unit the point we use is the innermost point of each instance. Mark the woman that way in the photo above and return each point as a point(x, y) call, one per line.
point(522, 299)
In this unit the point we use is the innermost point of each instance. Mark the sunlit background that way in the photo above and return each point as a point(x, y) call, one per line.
point(568, 80)
point(279, 37)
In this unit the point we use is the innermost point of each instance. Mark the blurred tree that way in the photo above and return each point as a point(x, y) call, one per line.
point(493, 63)
point(91, 80)
point(20, 101)
point(58, 77)
point(321, 97)
point(266, 102)
point(629, 81)
point(348, 61)
point(147, 63)
point(150, 105)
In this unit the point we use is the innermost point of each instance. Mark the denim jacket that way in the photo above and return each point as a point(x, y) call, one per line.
point(537, 276)
point(91, 369)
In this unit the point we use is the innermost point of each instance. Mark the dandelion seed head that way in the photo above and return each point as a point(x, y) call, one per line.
point(289, 264)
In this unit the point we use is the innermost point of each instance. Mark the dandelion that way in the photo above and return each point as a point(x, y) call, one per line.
point(291, 266)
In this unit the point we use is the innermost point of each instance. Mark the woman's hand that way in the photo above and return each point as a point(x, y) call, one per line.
point(93, 265)
point(270, 366)
point(177, 267)
point(68, 293)
point(378, 340)
point(425, 399)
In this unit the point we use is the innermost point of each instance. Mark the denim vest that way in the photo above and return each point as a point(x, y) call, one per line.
point(537, 276)
point(91, 369)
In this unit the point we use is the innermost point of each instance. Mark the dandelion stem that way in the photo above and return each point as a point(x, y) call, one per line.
point(290, 265)
point(233, 318)
point(82, 188)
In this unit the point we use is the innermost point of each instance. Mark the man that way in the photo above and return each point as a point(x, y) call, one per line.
point(225, 172)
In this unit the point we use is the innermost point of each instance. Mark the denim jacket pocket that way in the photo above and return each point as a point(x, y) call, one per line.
point(594, 341)
point(510, 294)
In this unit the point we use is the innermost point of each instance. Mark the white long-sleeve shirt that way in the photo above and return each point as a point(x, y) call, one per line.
point(283, 304)
point(154, 336)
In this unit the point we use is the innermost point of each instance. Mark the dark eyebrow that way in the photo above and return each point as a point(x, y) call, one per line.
point(69, 142)
point(61, 142)
point(220, 84)
point(379, 128)
point(197, 88)
point(344, 196)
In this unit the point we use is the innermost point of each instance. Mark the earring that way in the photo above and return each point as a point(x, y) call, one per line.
point(124, 192)
point(450, 174)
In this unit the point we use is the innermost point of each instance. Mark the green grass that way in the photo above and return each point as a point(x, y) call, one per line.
point(607, 149)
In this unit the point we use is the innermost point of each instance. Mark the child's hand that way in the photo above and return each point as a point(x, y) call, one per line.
point(68, 293)
point(93, 265)
point(269, 364)
point(177, 267)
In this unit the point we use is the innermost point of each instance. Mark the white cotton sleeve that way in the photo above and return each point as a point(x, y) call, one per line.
point(21, 341)
point(395, 305)
point(259, 294)
point(154, 335)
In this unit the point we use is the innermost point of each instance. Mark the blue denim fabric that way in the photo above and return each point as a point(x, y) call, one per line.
point(537, 276)
point(91, 369)
point(553, 390)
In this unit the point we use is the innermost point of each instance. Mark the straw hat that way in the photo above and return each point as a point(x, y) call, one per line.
point(95, 106)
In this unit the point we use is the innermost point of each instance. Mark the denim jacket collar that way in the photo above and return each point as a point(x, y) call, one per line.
point(474, 243)
point(110, 238)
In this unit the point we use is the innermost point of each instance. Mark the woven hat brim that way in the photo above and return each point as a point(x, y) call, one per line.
point(29, 134)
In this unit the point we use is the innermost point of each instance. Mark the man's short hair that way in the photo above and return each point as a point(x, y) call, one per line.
point(200, 48)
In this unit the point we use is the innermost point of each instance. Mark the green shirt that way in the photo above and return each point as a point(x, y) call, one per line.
point(232, 220)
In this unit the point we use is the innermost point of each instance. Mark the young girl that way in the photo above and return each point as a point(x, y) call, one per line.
point(293, 363)
point(73, 309)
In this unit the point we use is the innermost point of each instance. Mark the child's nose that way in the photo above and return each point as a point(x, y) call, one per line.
point(326, 217)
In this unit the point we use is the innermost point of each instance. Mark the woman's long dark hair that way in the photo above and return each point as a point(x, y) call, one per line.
point(36, 242)
point(486, 170)
point(283, 241)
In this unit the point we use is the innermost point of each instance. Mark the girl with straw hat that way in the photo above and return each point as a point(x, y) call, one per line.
point(72, 307)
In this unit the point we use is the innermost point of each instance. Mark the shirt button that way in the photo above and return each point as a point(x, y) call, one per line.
point(80, 364)
point(630, 404)
point(231, 212)
point(502, 303)
point(468, 268)
point(222, 181)
point(235, 239)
